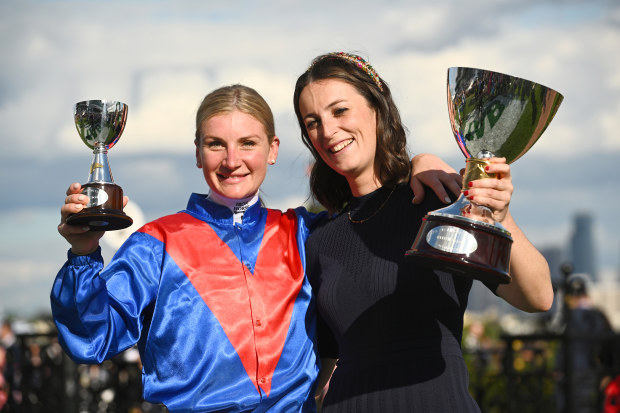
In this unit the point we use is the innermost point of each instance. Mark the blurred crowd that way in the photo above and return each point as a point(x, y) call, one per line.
point(508, 372)
point(36, 376)
point(569, 362)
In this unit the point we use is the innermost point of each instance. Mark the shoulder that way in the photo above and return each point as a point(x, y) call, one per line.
point(311, 219)
point(166, 223)
point(300, 214)
point(431, 200)
point(403, 200)
point(322, 228)
point(599, 316)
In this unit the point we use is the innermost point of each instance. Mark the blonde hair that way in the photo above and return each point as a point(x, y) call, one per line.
point(236, 97)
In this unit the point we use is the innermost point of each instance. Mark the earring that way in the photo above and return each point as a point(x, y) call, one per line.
point(271, 162)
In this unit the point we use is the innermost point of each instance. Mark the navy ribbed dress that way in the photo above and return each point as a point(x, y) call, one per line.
point(395, 328)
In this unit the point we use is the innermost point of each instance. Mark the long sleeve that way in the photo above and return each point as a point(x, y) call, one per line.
point(100, 312)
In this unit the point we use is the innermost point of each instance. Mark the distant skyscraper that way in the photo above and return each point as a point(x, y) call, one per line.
point(582, 252)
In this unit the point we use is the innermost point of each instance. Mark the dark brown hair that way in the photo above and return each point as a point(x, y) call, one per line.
point(391, 158)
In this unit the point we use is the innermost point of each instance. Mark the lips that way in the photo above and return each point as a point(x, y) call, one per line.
point(340, 146)
point(231, 178)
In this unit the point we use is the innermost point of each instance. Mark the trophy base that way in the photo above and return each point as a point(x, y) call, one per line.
point(101, 220)
point(463, 247)
point(105, 209)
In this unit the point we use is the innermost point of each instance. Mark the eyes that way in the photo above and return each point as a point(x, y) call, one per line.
point(213, 144)
point(217, 144)
point(311, 124)
point(313, 121)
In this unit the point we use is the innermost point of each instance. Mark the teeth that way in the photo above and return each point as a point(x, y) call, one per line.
point(341, 146)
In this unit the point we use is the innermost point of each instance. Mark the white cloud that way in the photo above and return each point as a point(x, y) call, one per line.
point(161, 58)
point(164, 116)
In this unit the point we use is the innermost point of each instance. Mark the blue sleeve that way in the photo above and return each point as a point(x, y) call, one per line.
point(309, 220)
point(100, 312)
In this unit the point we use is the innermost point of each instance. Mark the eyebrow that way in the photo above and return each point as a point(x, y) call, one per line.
point(331, 105)
point(238, 138)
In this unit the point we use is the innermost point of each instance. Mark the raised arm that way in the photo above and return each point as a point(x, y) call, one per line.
point(530, 289)
point(100, 312)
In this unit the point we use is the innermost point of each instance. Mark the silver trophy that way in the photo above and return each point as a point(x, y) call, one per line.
point(492, 115)
point(100, 124)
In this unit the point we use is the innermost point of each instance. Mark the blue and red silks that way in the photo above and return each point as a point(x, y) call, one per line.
point(222, 313)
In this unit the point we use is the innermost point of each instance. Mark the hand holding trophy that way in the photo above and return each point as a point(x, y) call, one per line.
point(492, 115)
point(100, 124)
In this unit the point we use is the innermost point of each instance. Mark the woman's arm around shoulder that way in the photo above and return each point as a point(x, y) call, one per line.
point(428, 169)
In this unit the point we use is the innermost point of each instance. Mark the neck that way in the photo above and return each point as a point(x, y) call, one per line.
point(237, 206)
point(361, 186)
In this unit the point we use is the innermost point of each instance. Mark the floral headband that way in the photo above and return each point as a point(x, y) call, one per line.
point(357, 61)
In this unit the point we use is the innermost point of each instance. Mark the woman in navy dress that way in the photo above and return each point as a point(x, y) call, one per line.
point(394, 327)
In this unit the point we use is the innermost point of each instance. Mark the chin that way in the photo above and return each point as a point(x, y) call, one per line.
point(237, 194)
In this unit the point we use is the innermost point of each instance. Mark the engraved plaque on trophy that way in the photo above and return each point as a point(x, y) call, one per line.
point(100, 124)
point(492, 115)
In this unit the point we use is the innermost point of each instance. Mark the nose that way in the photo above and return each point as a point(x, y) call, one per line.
point(232, 160)
point(327, 127)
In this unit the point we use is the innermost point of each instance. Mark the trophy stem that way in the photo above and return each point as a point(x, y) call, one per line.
point(100, 168)
point(475, 169)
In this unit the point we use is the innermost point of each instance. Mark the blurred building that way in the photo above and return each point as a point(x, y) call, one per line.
point(582, 246)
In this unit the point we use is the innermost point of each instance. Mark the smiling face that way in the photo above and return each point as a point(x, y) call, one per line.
point(233, 151)
point(343, 129)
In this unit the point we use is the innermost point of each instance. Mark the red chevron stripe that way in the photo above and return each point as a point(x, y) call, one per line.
point(253, 310)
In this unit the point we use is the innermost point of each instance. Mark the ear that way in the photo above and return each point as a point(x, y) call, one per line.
point(198, 162)
point(273, 150)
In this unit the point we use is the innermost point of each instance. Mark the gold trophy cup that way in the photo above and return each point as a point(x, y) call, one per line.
point(492, 115)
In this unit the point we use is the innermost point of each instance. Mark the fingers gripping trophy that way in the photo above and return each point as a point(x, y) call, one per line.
point(492, 115)
point(100, 124)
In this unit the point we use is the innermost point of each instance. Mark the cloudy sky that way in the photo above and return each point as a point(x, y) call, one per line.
point(162, 57)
